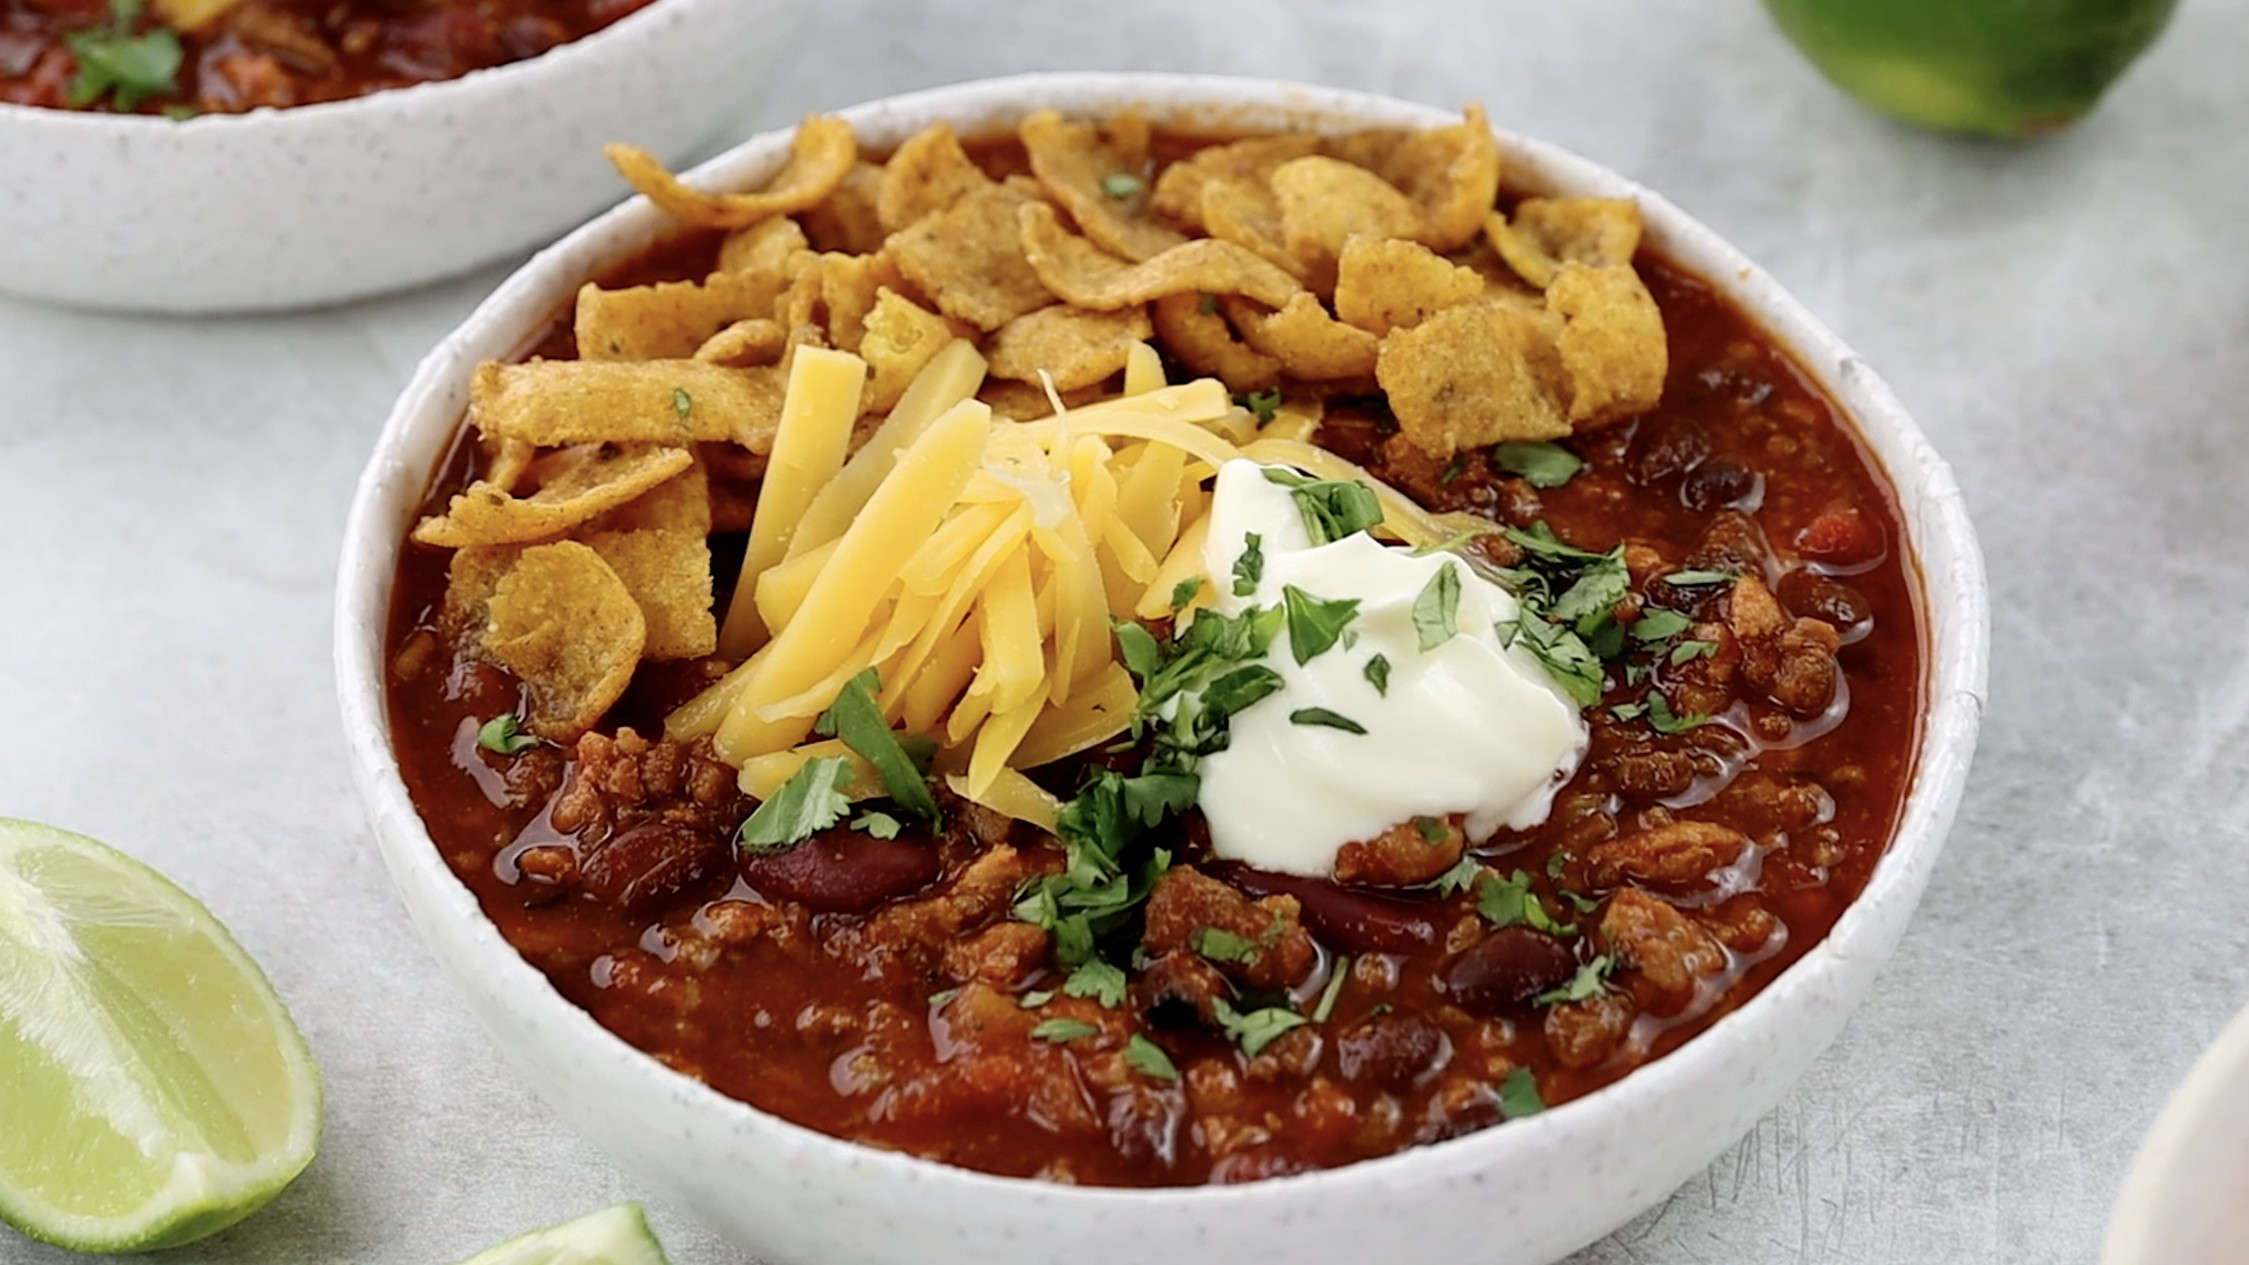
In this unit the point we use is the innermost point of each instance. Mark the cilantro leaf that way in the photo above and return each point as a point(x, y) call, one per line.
point(1148, 1058)
point(880, 825)
point(1454, 468)
point(1688, 651)
point(1518, 1095)
point(126, 67)
point(1566, 658)
point(1591, 980)
point(1599, 587)
point(1257, 1029)
point(1263, 405)
point(1185, 591)
point(683, 404)
point(806, 804)
point(503, 735)
point(1543, 465)
point(1658, 624)
point(1315, 623)
point(1121, 184)
point(1459, 878)
point(1660, 716)
point(857, 719)
point(1378, 674)
point(1693, 579)
point(1062, 1031)
point(1504, 902)
point(1099, 979)
point(1322, 718)
point(1221, 945)
point(1250, 567)
point(1331, 508)
point(1436, 609)
point(1539, 541)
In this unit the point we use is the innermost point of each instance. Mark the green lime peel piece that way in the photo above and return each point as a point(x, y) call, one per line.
point(616, 1235)
point(2002, 68)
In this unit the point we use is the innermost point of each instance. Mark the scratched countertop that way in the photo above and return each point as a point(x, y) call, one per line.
point(2069, 321)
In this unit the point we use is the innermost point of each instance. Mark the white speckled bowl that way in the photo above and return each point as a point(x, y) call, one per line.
point(324, 203)
point(2186, 1201)
point(1525, 1192)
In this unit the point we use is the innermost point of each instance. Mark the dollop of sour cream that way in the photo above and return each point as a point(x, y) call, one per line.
point(1467, 726)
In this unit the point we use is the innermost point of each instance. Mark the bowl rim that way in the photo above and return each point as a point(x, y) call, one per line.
point(216, 126)
point(2220, 1075)
point(1944, 560)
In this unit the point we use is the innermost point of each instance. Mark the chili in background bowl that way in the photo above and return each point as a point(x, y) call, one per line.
point(1529, 1191)
point(319, 204)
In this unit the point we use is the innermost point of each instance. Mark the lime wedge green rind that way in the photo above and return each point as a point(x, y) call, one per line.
point(617, 1235)
point(155, 1089)
point(2003, 68)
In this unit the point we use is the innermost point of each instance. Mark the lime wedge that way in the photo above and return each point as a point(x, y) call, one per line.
point(152, 1086)
point(1995, 67)
point(612, 1236)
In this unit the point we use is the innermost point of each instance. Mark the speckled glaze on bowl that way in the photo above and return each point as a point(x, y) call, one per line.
point(1522, 1193)
point(324, 203)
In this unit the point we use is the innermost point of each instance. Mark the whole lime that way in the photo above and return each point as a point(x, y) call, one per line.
point(2007, 68)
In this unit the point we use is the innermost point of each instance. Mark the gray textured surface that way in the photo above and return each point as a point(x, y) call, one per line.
point(2067, 320)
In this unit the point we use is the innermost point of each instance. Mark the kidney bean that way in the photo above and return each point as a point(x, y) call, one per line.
point(650, 863)
point(1722, 483)
point(1665, 449)
point(1359, 922)
point(1838, 604)
point(1395, 1049)
point(843, 871)
point(1507, 968)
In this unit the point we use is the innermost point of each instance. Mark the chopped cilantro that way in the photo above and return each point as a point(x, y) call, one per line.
point(1249, 568)
point(1597, 590)
point(857, 719)
point(1454, 468)
point(1583, 904)
point(1693, 579)
point(1332, 508)
point(1207, 304)
point(1436, 610)
point(1221, 945)
point(502, 735)
point(1121, 184)
point(1099, 979)
point(683, 404)
point(880, 825)
point(1262, 405)
point(1591, 980)
point(1338, 971)
point(942, 996)
point(1505, 902)
point(1378, 674)
point(1185, 591)
point(1629, 711)
point(1661, 717)
point(1567, 659)
point(1257, 1029)
point(1518, 1095)
point(1539, 541)
point(1657, 624)
point(1450, 544)
point(1555, 863)
point(1036, 998)
point(1148, 1058)
point(1543, 465)
point(1459, 878)
point(1322, 718)
point(1689, 651)
point(1314, 623)
point(806, 804)
point(1061, 1031)
point(1433, 831)
point(127, 68)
